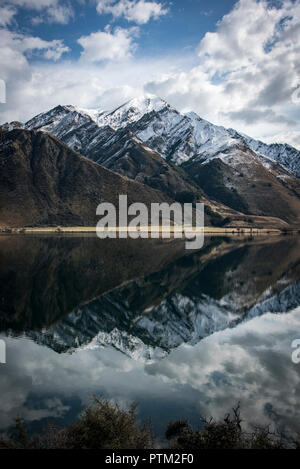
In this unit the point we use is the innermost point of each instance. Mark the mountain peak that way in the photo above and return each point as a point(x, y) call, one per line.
point(147, 103)
point(174, 135)
point(132, 111)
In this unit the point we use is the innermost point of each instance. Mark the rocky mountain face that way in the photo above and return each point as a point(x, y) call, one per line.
point(173, 135)
point(284, 154)
point(241, 180)
point(121, 151)
point(44, 182)
point(11, 126)
point(183, 155)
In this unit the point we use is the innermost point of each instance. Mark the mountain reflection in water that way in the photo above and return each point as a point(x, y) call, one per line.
point(184, 333)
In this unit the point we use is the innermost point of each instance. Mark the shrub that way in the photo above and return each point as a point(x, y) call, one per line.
point(101, 426)
point(227, 434)
point(107, 426)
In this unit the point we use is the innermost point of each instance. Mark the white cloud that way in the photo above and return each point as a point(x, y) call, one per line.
point(15, 45)
point(292, 136)
point(51, 11)
point(50, 49)
point(107, 45)
point(15, 68)
point(60, 14)
point(249, 70)
point(39, 87)
point(246, 363)
point(250, 363)
point(34, 4)
point(138, 11)
point(245, 76)
point(6, 15)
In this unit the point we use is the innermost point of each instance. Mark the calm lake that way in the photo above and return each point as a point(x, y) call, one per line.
point(185, 334)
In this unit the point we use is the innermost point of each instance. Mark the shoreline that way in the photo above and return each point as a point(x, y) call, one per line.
point(161, 230)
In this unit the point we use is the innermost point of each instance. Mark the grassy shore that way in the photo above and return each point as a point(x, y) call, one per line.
point(145, 229)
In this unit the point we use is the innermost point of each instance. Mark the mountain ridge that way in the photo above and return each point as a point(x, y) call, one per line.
point(135, 109)
point(182, 155)
point(149, 141)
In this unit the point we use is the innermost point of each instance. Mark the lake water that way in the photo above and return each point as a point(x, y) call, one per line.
point(185, 334)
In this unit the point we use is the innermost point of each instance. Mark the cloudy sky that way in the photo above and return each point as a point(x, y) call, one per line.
point(250, 363)
point(235, 63)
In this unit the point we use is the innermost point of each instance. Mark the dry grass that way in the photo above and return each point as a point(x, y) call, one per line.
point(91, 229)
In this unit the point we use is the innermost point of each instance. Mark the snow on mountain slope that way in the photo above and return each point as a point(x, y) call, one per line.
point(216, 161)
point(60, 121)
point(146, 337)
point(153, 334)
point(285, 301)
point(8, 126)
point(187, 300)
point(74, 126)
point(130, 112)
point(180, 137)
point(56, 118)
point(177, 137)
point(284, 154)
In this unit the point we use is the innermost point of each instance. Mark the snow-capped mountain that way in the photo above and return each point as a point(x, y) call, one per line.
point(155, 123)
point(184, 156)
point(175, 136)
point(180, 137)
point(128, 113)
point(284, 154)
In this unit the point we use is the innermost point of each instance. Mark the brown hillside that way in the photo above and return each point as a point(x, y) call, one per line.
point(44, 182)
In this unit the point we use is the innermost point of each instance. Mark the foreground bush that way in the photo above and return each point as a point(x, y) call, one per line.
point(101, 426)
point(106, 426)
point(227, 434)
